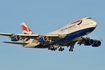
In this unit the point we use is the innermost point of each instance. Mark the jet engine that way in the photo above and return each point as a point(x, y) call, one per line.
point(43, 39)
point(15, 38)
point(89, 42)
point(96, 43)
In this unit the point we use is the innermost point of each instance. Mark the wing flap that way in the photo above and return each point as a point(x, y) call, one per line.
point(18, 43)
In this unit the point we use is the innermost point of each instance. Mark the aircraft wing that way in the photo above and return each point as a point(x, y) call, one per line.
point(35, 35)
point(6, 34)
point(18, 43)
point(22, 35)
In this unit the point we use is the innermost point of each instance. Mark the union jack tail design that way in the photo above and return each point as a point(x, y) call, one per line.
point(25, 29)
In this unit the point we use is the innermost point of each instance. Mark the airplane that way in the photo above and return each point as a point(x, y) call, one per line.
point(58, 39)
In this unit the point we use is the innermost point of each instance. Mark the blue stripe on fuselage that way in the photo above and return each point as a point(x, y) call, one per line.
point(70, 36)
point(26, 33)
point(79, 23)
point(75, 34)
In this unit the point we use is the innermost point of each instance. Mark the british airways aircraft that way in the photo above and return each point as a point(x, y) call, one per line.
point(66, 36)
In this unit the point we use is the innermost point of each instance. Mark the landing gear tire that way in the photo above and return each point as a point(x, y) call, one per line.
point(53, 49)
point(61, 49)
point(70, 49)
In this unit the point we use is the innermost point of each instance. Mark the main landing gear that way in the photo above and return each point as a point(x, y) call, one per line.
point(71, 48)
point(61, 49)
point(52, 48)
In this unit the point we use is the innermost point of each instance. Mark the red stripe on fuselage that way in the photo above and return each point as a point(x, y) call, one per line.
point(76, 21)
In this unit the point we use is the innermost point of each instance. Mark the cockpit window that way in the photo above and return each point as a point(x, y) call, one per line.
point(88, 18)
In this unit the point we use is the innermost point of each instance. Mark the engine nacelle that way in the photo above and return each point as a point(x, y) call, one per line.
point(16, 38)
point(96, 43)
point(89, 42)
point(43, 39)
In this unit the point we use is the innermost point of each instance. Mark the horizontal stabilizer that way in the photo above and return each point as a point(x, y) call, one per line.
point(18, 43)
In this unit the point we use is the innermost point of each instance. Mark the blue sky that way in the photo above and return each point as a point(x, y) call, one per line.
point(43, 16)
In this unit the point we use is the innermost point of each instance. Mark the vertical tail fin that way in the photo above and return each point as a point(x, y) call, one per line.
point(25, 29)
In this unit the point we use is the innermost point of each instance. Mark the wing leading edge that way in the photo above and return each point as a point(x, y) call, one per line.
point(34, 35)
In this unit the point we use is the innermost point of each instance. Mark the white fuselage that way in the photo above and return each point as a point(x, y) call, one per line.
point(78, 25)
point(69, 28)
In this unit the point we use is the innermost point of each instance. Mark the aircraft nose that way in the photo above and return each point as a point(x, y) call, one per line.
point(94, 24)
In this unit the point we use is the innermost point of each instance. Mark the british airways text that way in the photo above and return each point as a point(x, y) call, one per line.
point(67, 28)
